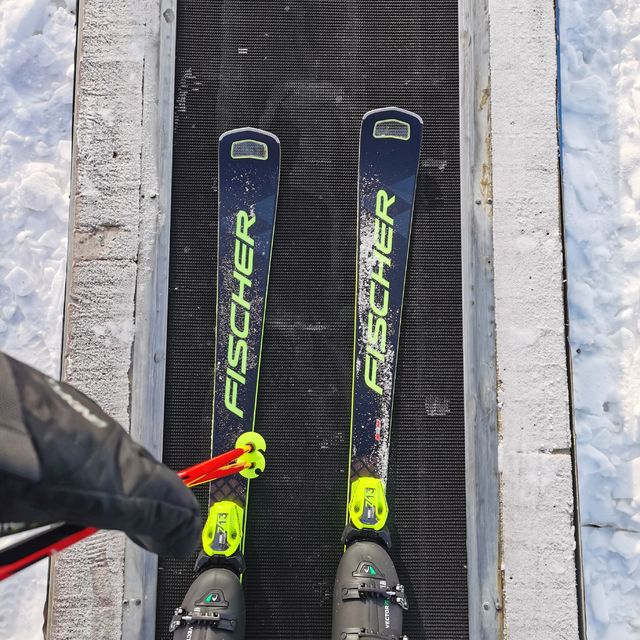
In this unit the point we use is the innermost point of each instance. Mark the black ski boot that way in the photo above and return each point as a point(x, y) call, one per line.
point(213, 608)
point(368, 601)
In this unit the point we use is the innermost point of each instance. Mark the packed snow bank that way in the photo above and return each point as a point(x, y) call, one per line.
point(600, 93)
point(37, 44)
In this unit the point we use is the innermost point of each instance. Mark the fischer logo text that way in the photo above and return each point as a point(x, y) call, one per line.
point(239, 314)
point(379, 292)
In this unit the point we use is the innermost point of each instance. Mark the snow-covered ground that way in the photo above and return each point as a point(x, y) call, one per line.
point(37, 44)
point(600, 92)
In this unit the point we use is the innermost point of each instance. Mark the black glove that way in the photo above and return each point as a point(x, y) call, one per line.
point(63, 459)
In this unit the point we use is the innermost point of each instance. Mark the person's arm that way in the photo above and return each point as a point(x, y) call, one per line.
point(63, 459)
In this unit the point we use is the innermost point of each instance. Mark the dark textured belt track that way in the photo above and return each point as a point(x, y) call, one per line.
point(308, 71)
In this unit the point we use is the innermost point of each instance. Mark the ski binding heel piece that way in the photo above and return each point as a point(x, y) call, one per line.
point(368, 505)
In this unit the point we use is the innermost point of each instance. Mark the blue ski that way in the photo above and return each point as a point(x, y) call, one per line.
point(248, 176)
point(368, 601)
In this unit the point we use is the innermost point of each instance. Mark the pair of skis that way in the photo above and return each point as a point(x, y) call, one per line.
point(368, 601)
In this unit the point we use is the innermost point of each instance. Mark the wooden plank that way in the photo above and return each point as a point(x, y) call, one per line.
point(485, 597)
point(148, 379)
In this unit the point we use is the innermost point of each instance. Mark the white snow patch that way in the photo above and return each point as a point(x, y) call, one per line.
point(38, 191)
point(614, 578)
point(22, 602)
point(600, 75)
point(37, 43)
point(19, 281)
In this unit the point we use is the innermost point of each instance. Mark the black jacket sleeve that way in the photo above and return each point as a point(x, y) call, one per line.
point(63, 459)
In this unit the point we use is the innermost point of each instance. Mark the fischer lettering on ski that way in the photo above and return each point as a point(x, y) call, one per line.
point(379, 292)
point(237, 347)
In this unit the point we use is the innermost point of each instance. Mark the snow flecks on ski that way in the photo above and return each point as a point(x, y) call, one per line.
point(248, 189)
point(387, 179)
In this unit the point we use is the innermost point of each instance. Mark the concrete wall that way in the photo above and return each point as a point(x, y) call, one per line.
point(537, 501)
point(116, 295)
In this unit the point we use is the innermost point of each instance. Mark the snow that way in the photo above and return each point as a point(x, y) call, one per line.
point(37, 45)
point(600, 97)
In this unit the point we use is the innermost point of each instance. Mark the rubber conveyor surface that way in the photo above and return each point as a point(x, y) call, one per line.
point(308, 71)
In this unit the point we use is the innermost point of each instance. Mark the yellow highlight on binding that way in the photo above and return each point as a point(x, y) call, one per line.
point(368, 507)
point(222, 533)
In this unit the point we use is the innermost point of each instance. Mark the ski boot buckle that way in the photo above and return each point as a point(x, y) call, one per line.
point(361, 633)
point(201, 615)
point(361, 590)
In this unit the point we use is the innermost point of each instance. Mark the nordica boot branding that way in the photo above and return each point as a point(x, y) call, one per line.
point(379, 291)
point(387, 613)
point(239, 312)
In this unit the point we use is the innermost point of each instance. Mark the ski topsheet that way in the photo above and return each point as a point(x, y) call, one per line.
point(248, 176)
point(389, 153)
point(368, 599)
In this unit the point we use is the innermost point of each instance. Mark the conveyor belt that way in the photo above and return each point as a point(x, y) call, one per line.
point(308, 70)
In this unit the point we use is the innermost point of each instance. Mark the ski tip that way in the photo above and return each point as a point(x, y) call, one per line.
point(248, 132)
point(390, 112)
